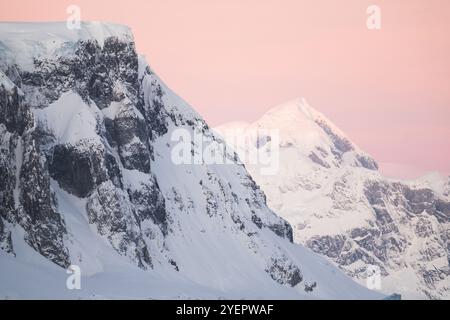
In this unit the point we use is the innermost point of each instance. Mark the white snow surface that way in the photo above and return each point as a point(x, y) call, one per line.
point(215, 258)
point(329, 201)
point(70, 119)
point(22, 42)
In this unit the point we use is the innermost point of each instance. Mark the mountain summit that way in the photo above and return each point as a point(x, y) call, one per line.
point(309, 132)
point(340, 206)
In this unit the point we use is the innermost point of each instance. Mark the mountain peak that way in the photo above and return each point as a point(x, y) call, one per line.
point(298, 110)
point(23, 42)
point(293, 106)
point(308, 131)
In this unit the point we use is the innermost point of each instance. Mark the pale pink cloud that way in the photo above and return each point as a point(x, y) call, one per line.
point(234, 59)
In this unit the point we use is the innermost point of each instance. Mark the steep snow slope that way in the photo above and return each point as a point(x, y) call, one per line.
point(88, 177)
point(341, 207)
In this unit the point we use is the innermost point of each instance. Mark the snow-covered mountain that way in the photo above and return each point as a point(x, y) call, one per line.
point(340, 205)
point(87, 178)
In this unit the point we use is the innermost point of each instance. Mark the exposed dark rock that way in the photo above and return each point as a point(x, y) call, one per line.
point(45, 229)
point(284, 272)
point(8, 143)
point(150, 204)
point(367, 162)
point(257, 220)
point(152, 107)
point(12, 72)
point(129, 125)
point(113, 170)
point(383, 243)
point(329, 246)
point(310, 287)
point(111, 212)
point(394, 296)
point(36, 213)
point(314, 158)
point(79, 169)
point(341, 144)
point(374, 192)
point(414, 201)
point(13, 113)
point(92, 71)
point(282, 229)
point(174, 264)
point(5, 239)
point(135, 155)
point(262, 140)
point(424, 228)
point(442, 212)
point(100, 86)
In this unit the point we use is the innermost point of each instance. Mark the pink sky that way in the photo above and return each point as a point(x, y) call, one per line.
point(389, 90)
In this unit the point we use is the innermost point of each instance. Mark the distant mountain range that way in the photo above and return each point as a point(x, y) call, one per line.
point(341, 207)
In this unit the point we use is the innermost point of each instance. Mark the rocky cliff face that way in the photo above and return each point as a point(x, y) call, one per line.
point(87, 175)
point(408, 232)
point(83, 166)
point(342, 208)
